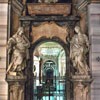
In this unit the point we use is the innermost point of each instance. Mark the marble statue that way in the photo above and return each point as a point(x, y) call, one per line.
point(47, 1)
point(19, 45)
point(79, 46)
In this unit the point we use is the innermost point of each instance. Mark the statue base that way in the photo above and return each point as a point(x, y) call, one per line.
point(81, 86)
point(16, 87)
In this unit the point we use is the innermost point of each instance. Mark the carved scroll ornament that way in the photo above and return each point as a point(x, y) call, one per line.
point(49, 30)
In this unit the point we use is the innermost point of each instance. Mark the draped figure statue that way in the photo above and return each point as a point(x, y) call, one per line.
point(19, 45)
point(79, 46)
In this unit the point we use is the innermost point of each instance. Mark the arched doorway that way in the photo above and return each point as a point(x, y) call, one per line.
point(51, 61)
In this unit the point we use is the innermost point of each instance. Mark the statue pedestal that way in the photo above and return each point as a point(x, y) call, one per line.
point(81, 86)
point(16, 87)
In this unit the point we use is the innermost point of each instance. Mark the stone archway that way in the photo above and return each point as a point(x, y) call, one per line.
point(49, 31)
point(64, 45)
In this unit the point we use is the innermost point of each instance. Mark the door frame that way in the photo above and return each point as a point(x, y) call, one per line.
point(67, 52)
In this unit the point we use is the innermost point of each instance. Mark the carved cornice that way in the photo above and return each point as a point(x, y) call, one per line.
point(68, 20)
point(17, 7)
point(49, 18)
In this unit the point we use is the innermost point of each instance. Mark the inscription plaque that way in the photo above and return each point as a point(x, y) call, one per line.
point(51, 9)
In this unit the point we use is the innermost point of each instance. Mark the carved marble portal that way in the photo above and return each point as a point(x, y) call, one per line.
point(49, 22)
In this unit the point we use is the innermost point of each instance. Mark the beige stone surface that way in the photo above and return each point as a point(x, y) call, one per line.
point(94, 34)
point(3, 37)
